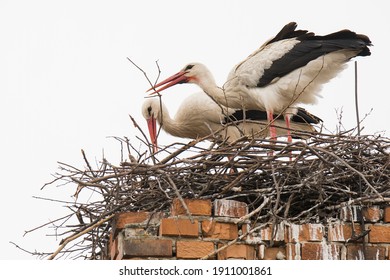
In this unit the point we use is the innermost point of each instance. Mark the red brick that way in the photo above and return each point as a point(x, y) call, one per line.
point(351, 213)
point(113, 247)
point(372, 214)
point(320, 251)
point(197, 207)
point(147, 248)
point(126, 218)
point(386, 215)
point(179, 227)
point(342, 232)
point(219, 230)
point(122, 219)
point(119, 254)
point(271, 232)
point(293, 251)
point(356, 252)
point(311, 232)
point(237, 251)
point(379, 233)
point(311, 251)
point(193, 249)
point(230, 208)
point(131, 232)
point(304, 232)
point(252, 238)
point(272, 253)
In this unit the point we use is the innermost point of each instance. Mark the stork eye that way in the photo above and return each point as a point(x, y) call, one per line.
point(188, 67)
point(150, 110)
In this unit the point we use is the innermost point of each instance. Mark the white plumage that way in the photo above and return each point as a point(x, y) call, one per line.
point(287, 70)
point(199, 116)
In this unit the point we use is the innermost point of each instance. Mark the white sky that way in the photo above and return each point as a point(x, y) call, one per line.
point(66, 85)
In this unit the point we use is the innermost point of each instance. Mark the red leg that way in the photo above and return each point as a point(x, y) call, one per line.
point(272, 129)
point(289, 138)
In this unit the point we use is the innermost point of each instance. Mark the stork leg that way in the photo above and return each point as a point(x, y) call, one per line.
point(272, 129)
point(289, 138)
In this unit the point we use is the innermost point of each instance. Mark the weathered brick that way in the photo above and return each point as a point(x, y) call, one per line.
point(320, 251)
point(193, 249)
point(113, 247)
point(273, 232)
point(179, 227)
point(379, 233)
point(252, 238)
point(342, 232)
point(311, 232)
point(119, 254)
point(237, 251)
point(130, 232)
point(372, 214)
point(230, 208)
point(311, 251)
point(147, 248)
point(356, 252)
point(272, 253)
point(304, 232)
point(351, 213)
point(197, 207)
point(293, 251)
point(386, 215)
point(219, 230)
point(121, 220)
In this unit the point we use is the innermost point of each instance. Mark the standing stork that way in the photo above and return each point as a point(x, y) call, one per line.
point(199, 116)
point(286, 70)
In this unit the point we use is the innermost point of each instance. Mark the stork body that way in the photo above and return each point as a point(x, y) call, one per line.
point(287, 70)
point(199, 116)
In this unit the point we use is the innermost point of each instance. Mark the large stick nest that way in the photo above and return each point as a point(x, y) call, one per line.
point(298, 182)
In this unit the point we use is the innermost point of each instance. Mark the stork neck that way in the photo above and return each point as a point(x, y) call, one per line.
point(169, 125)
point(213, 90)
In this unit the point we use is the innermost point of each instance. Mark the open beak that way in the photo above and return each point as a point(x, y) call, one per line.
point(153, 132)
point(178, 78)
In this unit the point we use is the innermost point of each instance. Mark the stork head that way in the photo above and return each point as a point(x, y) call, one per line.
point(151, 110)
point(195, 73)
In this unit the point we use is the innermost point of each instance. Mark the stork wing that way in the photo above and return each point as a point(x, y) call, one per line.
point(292, 49)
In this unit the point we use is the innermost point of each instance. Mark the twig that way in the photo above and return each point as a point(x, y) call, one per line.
point(73, 237)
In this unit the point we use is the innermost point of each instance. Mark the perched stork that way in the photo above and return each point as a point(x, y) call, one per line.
point(286, 70)
point(199, 116)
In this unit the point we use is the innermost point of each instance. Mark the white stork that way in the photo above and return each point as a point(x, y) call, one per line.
point(286, 70)
point(199, 116)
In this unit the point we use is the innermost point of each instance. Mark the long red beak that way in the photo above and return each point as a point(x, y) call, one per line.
point(178, 78)
point(153, 132)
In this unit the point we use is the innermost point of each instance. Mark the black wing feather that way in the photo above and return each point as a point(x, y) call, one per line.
point(302, 116)
point(310, 48)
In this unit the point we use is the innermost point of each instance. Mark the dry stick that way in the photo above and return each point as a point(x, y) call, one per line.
point(362, 224)
point(48, 223)
point(353, 169)
point(181, 150)
point(87, 162)
point(254, 212)
point(173, 185)
point(71, 238)
point(143, 72)
point(357, 200)
point(152, 85)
